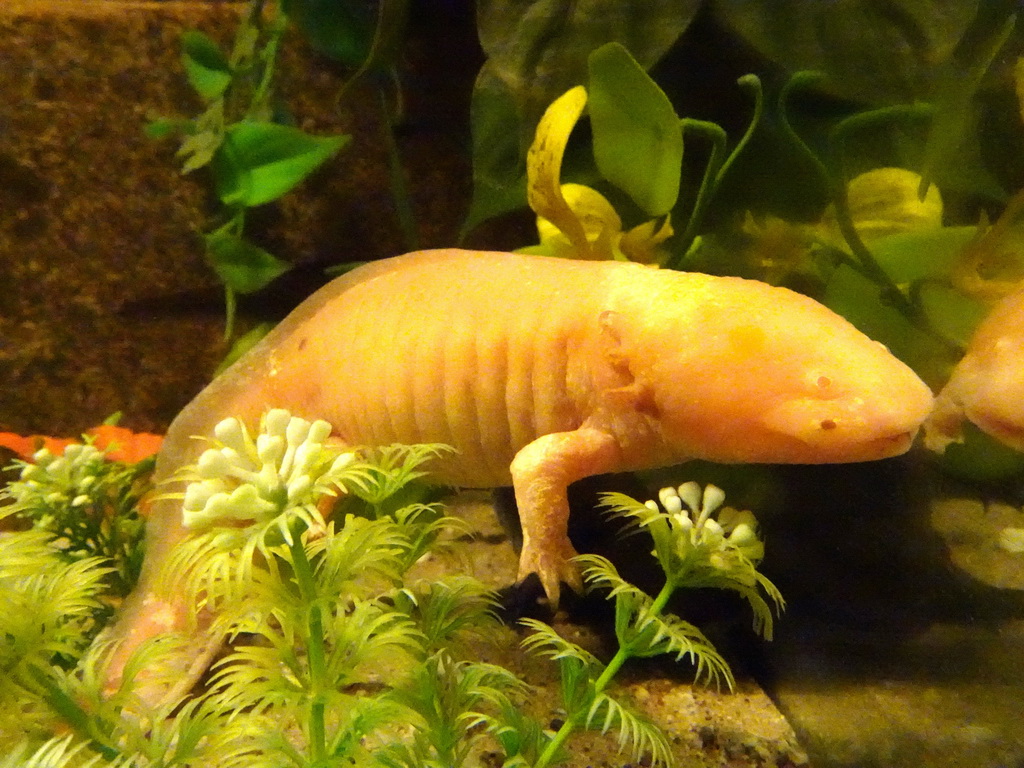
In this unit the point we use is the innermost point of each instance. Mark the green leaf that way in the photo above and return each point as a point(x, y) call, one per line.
point(242, 266)
point(881, 53)
point(930, 253)
point(638, 140)
point(259, 162)
point(537, 50)
point(206, 67)
point(499, 163)
point(951, 313)
point(952, 136)
point(340, 29)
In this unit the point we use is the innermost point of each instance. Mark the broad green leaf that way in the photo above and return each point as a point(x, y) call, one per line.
point(499, 163)
point(912, 256)
point(953, 128)
point(638, 140)
point(879, 53)
point(951, 313)
point(259, 162)
point(537, 50)
point(206, 66)
point(242, 266)
point(340, 29)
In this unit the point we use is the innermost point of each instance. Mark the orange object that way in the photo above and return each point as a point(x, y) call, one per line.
point(120, 444)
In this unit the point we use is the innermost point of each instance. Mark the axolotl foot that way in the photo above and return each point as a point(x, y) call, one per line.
point(553, 565)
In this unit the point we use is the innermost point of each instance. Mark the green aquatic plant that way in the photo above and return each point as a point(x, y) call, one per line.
point(695, 548)
point(88, 505)
point(340, 653)
point(244, 137)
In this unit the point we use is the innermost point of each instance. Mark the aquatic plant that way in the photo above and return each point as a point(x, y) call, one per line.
point(85, 498)
point(254, 152)
point(340, 652)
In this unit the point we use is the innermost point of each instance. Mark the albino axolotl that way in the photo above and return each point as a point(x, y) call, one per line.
point(541, 371)
point(987, 385)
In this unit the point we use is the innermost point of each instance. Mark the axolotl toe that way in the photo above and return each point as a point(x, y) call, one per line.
point(541, 371)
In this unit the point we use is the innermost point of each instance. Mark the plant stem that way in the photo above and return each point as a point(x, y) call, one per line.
point(314, 649)
point(622, 655)
point(708, 184)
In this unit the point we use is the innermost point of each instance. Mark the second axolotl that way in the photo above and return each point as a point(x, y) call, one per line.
point(987, 385)
point(542, 371)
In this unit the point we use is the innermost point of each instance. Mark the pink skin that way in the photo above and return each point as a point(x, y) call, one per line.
point(543, 371)
point(987, 385)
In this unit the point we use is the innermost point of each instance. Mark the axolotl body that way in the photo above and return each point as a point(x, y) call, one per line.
point(541, 371)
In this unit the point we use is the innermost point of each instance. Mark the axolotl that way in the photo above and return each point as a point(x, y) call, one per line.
point(987, 385)
point(541, 371)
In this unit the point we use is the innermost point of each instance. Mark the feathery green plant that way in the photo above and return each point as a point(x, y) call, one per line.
point(694, 549)
point(87, 503)
point(340, 654)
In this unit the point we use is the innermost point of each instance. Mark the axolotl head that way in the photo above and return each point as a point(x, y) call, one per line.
point(987, 385)
point(739, 371)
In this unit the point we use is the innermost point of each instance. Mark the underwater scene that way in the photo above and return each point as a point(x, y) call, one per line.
point(511, 383)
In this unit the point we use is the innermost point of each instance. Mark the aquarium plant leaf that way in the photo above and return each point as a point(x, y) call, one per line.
point(539, 48)
point(499, 164)
point(206, 67)
point(544, 168)
point(258, 162)
point(950, 312)
point(880, 53)
point(953, 131)
point(242, 266)
point(536, 50)
point(638, 140)
point(340, 29)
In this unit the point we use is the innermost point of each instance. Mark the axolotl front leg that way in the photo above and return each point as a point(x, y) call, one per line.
point(541, 472)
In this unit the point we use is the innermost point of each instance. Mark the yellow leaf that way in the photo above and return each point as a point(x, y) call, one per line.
point(544, 167)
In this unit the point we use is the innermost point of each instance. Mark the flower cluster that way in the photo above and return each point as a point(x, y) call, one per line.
point(53, 483)
point(87, 502)
point(287, 465)
point(696, 529)
point(698, 542)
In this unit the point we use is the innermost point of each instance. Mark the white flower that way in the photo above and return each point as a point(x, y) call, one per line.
point(698, 533)
point(241, 479)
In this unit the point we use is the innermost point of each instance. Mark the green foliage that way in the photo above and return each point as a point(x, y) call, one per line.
point(536, 50)
point(260, 162)
point(340, 654)
point(253, 153)
point(871, 53)
point(638, 141)
point(87, 504)
point(50, 608)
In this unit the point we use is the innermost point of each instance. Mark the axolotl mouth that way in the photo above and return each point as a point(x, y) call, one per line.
point(847, 429)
